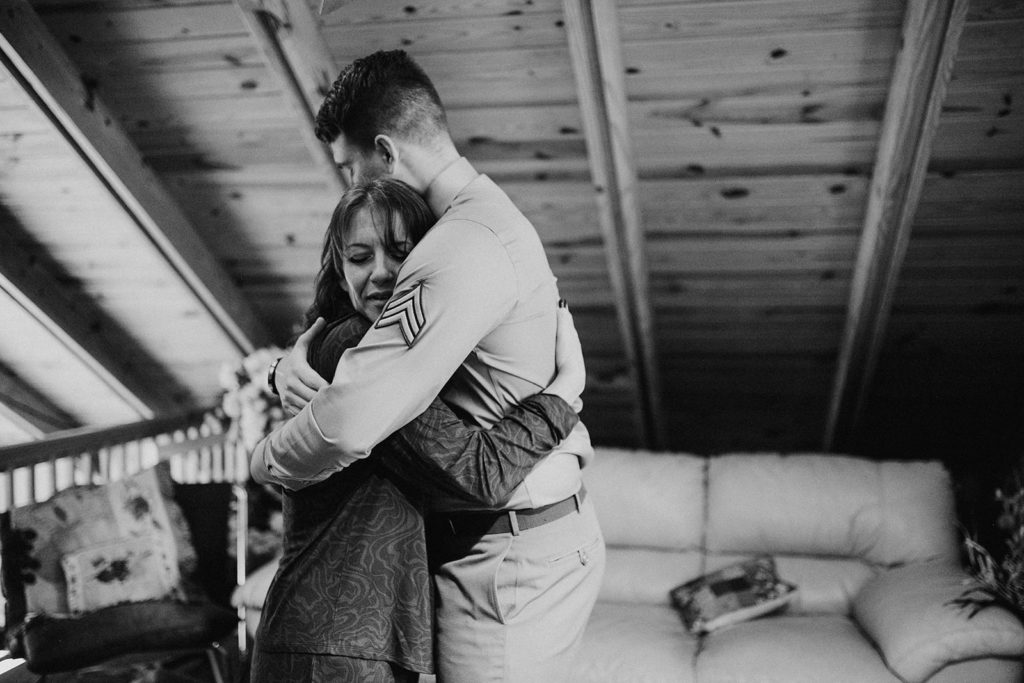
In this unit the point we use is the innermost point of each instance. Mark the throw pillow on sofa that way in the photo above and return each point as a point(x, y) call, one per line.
point(131, 520)
point(732, 594)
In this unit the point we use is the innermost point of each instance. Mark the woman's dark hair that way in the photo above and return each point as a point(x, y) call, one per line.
point(391, 203)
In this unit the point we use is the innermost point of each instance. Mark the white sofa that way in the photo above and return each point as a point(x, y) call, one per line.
point(871, 546)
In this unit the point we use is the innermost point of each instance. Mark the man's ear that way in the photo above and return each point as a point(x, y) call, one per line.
point(385, 146)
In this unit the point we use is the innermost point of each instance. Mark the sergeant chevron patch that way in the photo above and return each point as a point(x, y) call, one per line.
point(406, 311)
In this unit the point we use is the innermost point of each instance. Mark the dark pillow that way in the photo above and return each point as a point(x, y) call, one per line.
point(732, 594)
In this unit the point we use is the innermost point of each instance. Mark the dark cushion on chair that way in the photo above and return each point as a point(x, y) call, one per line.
point(60, 643)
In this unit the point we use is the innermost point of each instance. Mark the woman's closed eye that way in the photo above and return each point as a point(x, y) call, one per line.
point(358, 256)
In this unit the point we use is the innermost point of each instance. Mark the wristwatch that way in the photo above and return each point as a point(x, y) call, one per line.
point(272, 375)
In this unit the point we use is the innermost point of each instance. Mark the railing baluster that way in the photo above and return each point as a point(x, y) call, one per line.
point(22, 487)
point(53, 475)
point(103, 462)
point(64, 473)
point(132, 455)
point(31, 485)
point(150, 452)
point(83, 474)
point(117, 462)
point(43, 483)
point(195, 445)
point(7, 498)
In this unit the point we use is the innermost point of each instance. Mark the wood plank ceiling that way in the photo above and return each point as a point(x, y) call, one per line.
point(779, 223)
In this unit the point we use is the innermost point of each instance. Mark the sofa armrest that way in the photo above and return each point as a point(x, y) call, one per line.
point(909, 615)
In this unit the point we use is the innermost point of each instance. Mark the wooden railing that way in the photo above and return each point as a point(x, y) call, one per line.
point(194, 443)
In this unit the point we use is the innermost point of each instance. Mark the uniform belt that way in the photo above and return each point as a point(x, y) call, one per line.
point(506, 521)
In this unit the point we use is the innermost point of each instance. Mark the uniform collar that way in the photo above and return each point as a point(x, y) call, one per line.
point(452, 179)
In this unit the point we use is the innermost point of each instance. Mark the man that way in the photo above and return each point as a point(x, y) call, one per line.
point(472, 318)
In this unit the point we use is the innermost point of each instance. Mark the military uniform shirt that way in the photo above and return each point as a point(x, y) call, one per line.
point(475, 303)
point(353, 578)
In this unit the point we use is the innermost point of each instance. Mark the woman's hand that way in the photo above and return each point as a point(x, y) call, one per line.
point(296, 382)
point(571, 372)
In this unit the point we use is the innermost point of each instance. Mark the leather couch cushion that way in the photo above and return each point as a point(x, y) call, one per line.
point(988, 669)
point(907, 611)
point(645, 576)
point(788, 649)
point(884, 512)
point(648, 500)
point(825, 585)
point(635, 643)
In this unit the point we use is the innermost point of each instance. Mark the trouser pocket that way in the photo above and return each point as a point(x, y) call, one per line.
point(586, 553)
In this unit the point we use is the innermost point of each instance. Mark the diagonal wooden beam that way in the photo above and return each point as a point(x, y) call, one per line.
point(328, 6)
point(71, 318)
point(34, 57)
point(596, 52)
point(27, 409)
point(924, 63)
point(289, 37)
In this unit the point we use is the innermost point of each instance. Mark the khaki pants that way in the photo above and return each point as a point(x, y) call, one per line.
point(512, 608)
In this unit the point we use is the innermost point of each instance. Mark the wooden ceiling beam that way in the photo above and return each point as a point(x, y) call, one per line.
point(28, 410)
point(289, 37)
point(924, 64)
point(74, 321)
point(328, 6)
point(596, 52)
point(36, 60)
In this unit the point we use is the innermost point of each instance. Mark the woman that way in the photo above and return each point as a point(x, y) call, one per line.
point(352, 597)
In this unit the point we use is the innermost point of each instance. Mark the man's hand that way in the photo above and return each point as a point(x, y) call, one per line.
point(571, 372)
point(296, 382)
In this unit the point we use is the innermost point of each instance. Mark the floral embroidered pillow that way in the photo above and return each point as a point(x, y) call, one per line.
point(126, 570)
point(133, 512)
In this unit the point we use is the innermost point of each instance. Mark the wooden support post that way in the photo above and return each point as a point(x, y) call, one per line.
point(931, 31)
point(595, 49)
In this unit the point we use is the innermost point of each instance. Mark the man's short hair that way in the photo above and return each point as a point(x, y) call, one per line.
point(383, 93)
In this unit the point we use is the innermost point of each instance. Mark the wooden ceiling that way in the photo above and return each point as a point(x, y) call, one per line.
point(780, 224)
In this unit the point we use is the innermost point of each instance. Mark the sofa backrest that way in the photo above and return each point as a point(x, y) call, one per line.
point(830, 521)
point(883, 512)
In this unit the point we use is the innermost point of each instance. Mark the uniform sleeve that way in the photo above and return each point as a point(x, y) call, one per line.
point(457, 285)
point(438, 453)
point(324, 352)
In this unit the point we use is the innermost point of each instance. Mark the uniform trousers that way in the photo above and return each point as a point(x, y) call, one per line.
point(512, 608)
